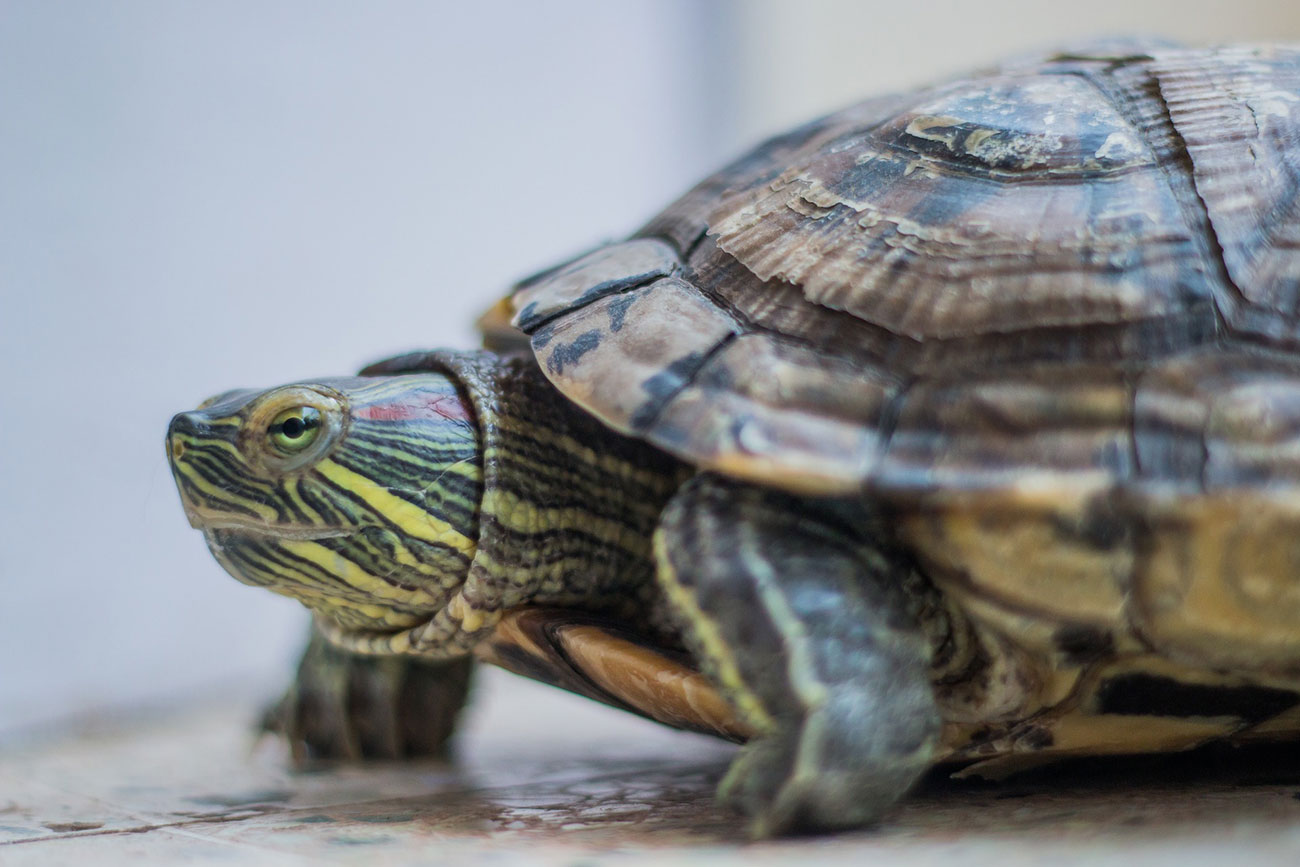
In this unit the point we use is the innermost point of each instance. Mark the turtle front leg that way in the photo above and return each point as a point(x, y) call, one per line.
point(809, 628)
point(351, 707)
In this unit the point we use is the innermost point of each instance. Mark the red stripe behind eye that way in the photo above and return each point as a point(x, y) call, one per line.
point(415, 406)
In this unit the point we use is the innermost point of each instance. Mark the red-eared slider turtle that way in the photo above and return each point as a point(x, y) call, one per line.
point(962, 424)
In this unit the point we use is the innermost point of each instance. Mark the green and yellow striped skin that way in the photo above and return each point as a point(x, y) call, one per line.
point(373, 525)
point(428, 504)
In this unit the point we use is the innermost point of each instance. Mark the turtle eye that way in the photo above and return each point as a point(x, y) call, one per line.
point(294, 429)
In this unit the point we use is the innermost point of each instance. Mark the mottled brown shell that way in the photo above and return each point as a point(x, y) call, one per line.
point(1049, 320)
point(1079, 273)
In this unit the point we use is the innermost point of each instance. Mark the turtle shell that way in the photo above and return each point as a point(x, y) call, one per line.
point(1047, 317)
point(1079, 272)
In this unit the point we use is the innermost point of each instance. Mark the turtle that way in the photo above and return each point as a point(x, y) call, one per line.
point(959, 426)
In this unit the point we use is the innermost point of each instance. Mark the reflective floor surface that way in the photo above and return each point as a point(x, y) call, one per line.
point(546, 778)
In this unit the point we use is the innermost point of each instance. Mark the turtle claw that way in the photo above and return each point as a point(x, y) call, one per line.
point(345, 707)
point(754, 786)
point(784, 787)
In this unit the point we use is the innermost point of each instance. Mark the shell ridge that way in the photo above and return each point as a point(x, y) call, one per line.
point(887, 231)
point(1224, 306)
point(1237, 110)
point(886, 428)
point(611, 269)
point(649, 414)
point(530, 324)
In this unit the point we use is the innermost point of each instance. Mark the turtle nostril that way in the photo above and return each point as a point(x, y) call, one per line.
point(183, 426)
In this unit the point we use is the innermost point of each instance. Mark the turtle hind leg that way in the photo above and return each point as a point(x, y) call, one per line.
point(344, 706)
point(810, 630)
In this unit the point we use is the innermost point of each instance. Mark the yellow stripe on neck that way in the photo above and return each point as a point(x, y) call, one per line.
point(412, 520)
point(359, 579)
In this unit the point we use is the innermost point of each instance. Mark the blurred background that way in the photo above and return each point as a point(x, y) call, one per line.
point(198, 196)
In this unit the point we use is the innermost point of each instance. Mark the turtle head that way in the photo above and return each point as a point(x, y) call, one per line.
point(357, 496)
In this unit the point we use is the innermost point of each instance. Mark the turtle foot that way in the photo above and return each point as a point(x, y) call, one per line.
point(342, 706)
point(788, 787)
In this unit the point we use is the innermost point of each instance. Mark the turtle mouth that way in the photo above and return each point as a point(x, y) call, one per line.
point(209, 522)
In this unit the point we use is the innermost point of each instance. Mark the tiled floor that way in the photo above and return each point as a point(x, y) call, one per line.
point(545, 778)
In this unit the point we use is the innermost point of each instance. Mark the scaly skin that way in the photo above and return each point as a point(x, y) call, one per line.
point(425, 504)
point(429, 513)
